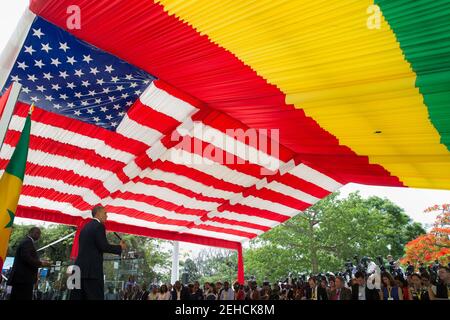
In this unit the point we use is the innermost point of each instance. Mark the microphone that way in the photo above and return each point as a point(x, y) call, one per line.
point(120, 238)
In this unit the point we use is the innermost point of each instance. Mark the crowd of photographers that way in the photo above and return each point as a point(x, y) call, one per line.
point(364, 280)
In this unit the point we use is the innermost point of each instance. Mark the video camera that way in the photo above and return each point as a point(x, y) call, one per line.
point(409, 269)
point(319, 277)
point(435, 267)
point(396, 271)
point(381, 263)
point(433, 270)
point(330, 276)
point(361, 265)
point(391, 267)
point(422, 268)
point(348, 268)
point(303, 278)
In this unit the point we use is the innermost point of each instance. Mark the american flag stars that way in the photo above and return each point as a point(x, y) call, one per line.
point(67, 76)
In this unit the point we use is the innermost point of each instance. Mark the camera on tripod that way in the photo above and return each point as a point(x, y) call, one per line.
point(381, 263)
point(348, 269)
point(433, 270)
point(302, 278)
point(435, 267)
point(422, 268)
point(361, 265)
point(409, 269)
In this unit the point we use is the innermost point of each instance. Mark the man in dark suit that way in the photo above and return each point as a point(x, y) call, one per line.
point(92, 245)
point(315, 291)
point(360, 291)
point(340, 292)
point(180, 292)
point(23, 275)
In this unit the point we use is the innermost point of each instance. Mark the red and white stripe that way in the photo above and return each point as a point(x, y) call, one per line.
point(136, 173)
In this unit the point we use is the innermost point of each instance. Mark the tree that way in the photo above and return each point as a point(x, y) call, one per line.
point(216, 264)
point(324, 236)
point(434, 245)
point(441, 226)
point(190, 268)
point(424, 249)
point(18, 233)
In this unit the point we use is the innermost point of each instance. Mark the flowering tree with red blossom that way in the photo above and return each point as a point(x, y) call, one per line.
point(441, 227)
point(424, 249)
point(434, 245)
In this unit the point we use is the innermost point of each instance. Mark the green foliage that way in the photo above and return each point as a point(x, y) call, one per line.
point(214, 265)
point(191, 269)
point(58, 252)
point(19, 232)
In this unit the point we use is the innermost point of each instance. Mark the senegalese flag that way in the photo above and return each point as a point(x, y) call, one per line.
point(11, 186)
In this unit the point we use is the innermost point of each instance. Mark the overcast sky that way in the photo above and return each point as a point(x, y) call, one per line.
point(414, 201)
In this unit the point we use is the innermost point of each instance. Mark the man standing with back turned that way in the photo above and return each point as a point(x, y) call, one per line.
point(92, 245)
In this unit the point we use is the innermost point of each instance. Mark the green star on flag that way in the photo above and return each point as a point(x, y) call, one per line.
point(11, 186)
point(11, 217)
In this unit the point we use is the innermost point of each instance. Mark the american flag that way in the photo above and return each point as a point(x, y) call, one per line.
point(62, 74)
point(103, 132)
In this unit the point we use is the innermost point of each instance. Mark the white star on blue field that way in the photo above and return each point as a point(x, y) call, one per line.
point(64, 75)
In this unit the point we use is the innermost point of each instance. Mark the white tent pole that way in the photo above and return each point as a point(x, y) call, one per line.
point(9, 110)
point(175, 258)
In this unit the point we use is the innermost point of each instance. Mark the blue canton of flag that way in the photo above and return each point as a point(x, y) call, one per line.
point(64, 75)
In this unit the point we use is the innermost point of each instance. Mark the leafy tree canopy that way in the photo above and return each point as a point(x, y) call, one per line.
point(327, 234)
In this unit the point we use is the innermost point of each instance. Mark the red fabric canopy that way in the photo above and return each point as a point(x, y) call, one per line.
point(164, 170)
